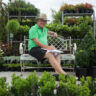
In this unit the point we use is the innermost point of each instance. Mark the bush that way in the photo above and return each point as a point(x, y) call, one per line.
point(82, 58)
point(4, 90)
point(68, 86)
point(25, 87)
point(87, 42)
point(92, 52)
point(12, 26)
point(26, 9)
point(75, 31)
point(47, 84)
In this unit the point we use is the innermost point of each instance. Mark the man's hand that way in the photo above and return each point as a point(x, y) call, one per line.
point(51, 47)
point(55, 35)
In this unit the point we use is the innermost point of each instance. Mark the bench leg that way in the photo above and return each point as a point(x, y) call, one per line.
point(21, 62)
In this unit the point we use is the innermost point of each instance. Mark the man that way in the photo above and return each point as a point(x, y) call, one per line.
point(38, 40)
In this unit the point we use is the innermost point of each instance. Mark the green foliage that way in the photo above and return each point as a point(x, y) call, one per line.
point(92, 52)
point(3, 21)
point(84, 28)
point(28, 22)
point(86, 52)
point(84, 87)
point(25, 87)
point(3, 87)
point(84, 90)
point(12, 26)
point(56, 16)
point(80, 8)
point(73, 31)
point(87, 42)
point(47, 84)
point(68, 86)
point(82, 58)
point(20, 7)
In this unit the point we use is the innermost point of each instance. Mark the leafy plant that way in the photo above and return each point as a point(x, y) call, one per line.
point(4, 90)
point(68, 86)
point(84, 87)
point(12, 26)
point(82, 58)
point(47, 84)
point(86, 42)
point(92, 52)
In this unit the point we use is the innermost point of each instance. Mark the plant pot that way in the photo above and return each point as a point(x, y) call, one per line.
point(92, 71)
point(81, 71)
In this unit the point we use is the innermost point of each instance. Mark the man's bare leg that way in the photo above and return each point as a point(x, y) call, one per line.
point(54, 63)
point(58, 60)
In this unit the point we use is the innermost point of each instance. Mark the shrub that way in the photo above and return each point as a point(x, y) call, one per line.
point(84, 87)
point(25, 87)
point(33, 83)
point(68, 86)
point(4, 87)
point(47, 84)
point(82, 58)
point(92, 52)
point(75, 31)
point(84, 28)
point(12, 26)
point(86, 42)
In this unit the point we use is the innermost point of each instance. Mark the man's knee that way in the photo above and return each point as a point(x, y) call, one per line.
point(48, 55)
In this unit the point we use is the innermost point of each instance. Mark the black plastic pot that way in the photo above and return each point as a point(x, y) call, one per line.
point(81, 71)
point(92, 71)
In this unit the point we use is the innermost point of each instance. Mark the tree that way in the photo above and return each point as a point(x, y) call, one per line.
point(56, 16)
point(12, 26)
point(3, 20)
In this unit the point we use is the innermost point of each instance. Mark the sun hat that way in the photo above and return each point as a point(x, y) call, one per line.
point(43, 17)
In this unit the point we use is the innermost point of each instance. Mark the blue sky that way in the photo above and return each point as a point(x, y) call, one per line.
point(45, 6)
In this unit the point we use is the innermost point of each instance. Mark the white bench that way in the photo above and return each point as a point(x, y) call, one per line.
point(60, 43)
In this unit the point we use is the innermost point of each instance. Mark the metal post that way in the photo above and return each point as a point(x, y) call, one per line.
point(24, 44)
point(8, 31)
point(94, 24)
point(62, 18)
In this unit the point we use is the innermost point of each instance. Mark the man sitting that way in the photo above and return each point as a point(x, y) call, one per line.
point(38, 40)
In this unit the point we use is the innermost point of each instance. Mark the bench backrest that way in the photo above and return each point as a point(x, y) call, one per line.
point(60, 43)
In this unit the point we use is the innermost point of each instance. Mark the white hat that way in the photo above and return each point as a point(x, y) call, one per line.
point(42, 17)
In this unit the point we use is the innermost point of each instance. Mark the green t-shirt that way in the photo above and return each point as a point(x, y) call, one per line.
point(37, 32)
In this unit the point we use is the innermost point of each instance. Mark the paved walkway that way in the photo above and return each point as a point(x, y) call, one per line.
point(25, 74)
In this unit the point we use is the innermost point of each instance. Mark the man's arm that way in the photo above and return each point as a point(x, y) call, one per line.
point(37, 42)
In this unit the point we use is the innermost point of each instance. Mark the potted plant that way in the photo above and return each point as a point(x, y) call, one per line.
point(71, 8)
point(12, 26)
point(80, 7)
point(89, 8)
point(71, 20)
point(66, 21)
point(82, 63)
point(92, 66)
